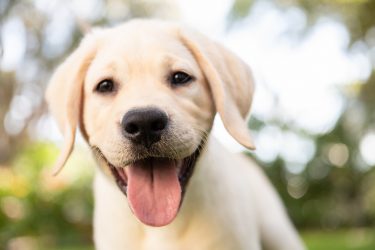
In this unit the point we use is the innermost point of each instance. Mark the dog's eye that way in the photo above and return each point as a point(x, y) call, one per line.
point(105, 86)
point(179, 78)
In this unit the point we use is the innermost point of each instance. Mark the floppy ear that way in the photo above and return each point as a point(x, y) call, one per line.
point(230, 81)
point(64, 95)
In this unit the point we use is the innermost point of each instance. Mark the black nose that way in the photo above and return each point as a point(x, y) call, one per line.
point(144, 126)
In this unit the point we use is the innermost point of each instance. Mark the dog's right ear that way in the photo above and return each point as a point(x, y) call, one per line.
point(64, 94)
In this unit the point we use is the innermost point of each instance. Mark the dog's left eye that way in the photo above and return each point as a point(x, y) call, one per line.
point(179, 78)
point(105, 86)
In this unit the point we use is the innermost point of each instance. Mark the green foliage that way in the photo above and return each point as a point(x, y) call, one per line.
point(358, 239)
point(240, 9)
point(38, 209)
point(356, 14)
point(327, 194)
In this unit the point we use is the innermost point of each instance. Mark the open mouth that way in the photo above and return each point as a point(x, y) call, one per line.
point(155, 186)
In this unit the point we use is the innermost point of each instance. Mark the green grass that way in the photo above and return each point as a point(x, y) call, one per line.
point(352, 239)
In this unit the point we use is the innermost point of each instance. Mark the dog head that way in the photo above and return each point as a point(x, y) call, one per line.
point(145, 95)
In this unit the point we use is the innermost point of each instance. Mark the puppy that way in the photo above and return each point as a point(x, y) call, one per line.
point(145, 94)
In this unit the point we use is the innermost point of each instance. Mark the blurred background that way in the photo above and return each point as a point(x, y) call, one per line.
point(312, 119)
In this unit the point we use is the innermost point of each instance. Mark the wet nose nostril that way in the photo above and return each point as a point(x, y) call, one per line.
point(158, 125)
point(132, 128)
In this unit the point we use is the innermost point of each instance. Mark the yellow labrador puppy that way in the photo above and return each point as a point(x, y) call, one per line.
point(145, 94)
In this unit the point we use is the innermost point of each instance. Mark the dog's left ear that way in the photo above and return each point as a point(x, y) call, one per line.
point(64, 94)
point(229, 79)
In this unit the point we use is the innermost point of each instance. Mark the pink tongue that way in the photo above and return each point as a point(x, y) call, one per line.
point(154, 192)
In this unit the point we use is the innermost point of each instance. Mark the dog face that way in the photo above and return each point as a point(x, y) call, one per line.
point(143, 91)
point(145, 94)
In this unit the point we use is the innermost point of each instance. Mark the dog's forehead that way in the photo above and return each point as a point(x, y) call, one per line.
point(141, 40)
point(141, 48)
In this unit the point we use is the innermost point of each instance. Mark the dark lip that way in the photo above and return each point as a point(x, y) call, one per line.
point(187, 169)
point(119, 181)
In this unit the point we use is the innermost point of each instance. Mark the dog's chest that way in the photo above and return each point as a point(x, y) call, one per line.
point(197, 226)
point(197, 233)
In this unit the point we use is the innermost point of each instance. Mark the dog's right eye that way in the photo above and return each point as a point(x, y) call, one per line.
point(105, 86)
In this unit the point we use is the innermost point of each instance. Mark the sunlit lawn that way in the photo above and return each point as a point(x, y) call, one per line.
point(355, 239)
point(358, 239)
